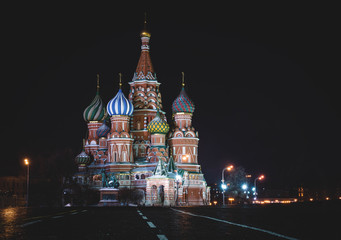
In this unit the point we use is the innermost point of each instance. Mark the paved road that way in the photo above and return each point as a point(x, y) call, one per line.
point(252, 222)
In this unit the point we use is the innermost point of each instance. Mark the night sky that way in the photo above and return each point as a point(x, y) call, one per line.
point(263, 79)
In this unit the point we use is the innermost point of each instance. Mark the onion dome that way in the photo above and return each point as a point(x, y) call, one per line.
point(120, 105)
point(95, 111)
point(83, 158)
point(158, 125)
point(103, 130)
point(183, 103)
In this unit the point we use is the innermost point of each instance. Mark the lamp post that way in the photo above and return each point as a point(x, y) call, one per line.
point(223, 185)
point(27, 163)
point(178, 179)
point(254, 185)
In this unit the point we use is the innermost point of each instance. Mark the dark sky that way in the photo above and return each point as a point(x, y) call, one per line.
point(263, 79)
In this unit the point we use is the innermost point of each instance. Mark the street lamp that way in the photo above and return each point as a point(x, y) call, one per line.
point(261, 177)
point(244, 186)
point(223, 185)
point(178, 178)
point(27, 163)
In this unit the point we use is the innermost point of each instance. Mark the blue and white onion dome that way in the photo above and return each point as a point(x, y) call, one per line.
point(120, 105)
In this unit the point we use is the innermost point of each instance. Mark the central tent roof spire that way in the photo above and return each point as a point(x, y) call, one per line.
point(144, 69)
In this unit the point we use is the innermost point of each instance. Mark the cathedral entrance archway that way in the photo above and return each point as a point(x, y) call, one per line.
point(161, 194)
point(154, 194)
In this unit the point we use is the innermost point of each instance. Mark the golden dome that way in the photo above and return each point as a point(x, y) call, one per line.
point(158, 125)
point(145, 34)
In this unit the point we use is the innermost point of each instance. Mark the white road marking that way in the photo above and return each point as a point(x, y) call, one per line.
point(58, 216)
point(162, 237)
point(141, 214)
point(29, 223)
point(84, 211)
point(144, 217)
point(74, 213)
point(151, 225)
point(239, 225)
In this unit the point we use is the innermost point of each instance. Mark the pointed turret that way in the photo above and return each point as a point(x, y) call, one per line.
point(183, 140)
point(171, 165)
point(145, 96)
point(160, 169)
point(144, 69)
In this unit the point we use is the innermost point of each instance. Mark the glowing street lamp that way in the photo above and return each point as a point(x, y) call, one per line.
point(223, 185)
point(229, 168)
point(27, 163)
point(244, 186)
point(261, 177)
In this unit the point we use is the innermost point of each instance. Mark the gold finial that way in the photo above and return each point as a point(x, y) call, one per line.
point(97, 82)
point(183, 79)
point(120, 84)
point(145, 21)
point(144, 32)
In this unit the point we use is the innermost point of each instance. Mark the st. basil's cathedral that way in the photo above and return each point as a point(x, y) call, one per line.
point(139, 151)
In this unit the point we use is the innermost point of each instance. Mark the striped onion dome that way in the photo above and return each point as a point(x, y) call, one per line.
point(183, 103)
point(95, 111)
point(158, 125)
point(120, 105)
point(103, 130)
point(83, 158)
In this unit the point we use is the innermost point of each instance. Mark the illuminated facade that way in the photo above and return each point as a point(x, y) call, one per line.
point(139, 151)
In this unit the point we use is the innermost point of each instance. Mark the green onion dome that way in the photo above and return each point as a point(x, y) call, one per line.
point(83, 158)
point(95, 111)
point(158, 125)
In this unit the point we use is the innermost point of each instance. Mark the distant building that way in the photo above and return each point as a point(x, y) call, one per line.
point(216, 194)
point(12, 191)
point(140, 151)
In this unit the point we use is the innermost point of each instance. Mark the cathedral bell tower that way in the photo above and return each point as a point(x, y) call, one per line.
point(94, 114)
point(120, 141)
point(183, 140)
point(145, 96)
point(158, 128)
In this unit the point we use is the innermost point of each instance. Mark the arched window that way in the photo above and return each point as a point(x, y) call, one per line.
point(137, 177)
point(154, 193)
point(143, 176)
